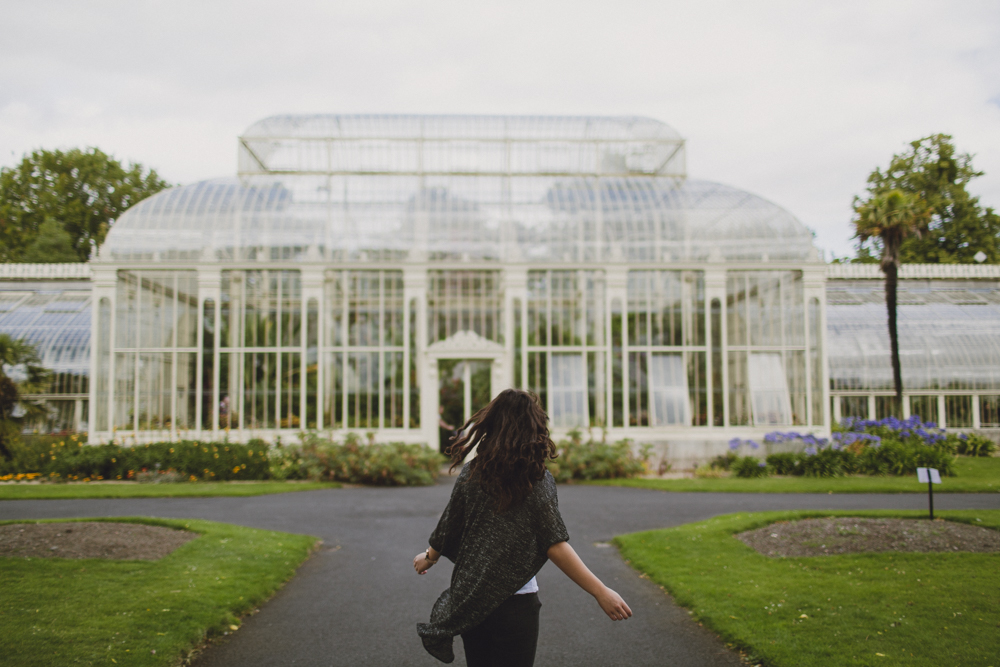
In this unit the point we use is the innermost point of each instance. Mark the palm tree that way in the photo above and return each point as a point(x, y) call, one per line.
point(21, 372)
point(891, 216)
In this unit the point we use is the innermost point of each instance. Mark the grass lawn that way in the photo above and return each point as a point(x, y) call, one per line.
point(104, 612)
point(23, 491)
point(972, 475)
point(930, 609)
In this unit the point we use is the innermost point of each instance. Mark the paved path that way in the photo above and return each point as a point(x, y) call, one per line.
point(359, 604)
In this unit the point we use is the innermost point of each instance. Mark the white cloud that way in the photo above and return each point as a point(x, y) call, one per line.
point(794, 101)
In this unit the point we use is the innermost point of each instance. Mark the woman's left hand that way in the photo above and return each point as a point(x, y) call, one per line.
point(421, 563)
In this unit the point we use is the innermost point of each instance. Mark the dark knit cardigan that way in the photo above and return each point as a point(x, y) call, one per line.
point(494, 555)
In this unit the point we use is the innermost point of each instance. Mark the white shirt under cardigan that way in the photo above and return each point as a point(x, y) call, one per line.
point(530, 587)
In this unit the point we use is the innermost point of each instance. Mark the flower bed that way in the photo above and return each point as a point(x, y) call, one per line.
point(316, 458)
point(889, 446)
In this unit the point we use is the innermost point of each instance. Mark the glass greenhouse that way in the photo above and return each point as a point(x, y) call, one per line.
point(389, 274)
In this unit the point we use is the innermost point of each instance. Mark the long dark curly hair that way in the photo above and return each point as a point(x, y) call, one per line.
point(512, 443)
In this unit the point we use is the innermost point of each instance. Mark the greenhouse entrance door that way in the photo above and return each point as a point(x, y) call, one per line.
point(463, 388)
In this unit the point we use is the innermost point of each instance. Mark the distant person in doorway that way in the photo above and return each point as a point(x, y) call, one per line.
point(445, 431)
point(500, 526)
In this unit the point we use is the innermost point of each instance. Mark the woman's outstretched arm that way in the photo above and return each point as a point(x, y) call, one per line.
point(565, 558)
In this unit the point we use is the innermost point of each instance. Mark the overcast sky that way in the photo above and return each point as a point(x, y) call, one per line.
point(794, 101)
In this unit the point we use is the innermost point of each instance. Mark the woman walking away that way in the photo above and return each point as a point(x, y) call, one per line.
point(500, 526)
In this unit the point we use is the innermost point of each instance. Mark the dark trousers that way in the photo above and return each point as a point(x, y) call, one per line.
point(508, 636)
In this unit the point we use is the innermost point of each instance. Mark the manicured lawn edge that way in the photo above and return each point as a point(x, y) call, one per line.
point(975, 475)
point(131, 612)
point(23, 491)
point(862, 609)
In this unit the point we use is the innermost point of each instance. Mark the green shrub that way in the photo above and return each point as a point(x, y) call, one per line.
point(827, 462)
point(749, 467)
point(392, 464)
point(973, 444)
point(786, 463)
point(723, 461)
point(597, 460)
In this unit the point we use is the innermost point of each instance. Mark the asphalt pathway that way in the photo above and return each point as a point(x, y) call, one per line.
point(357, 601)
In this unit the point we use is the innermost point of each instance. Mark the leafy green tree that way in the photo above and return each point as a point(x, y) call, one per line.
point(51, 244)
point(959, 227)
point(892, 217)
point(21, 373)
point(85, 191)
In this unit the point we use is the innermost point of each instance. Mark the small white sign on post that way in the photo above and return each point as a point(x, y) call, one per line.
point(928, 476)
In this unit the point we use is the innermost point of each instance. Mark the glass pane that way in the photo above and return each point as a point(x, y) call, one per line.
point(125, 391)
point(795, 366)
point(464, 301)
point(228, 391)
point(958, 411)
point(638, 389)
point(538, 376)
point(989, 411)
point(392, 382)
point(739, 390)
point(291, 388)
point(816, 360)
point(887, 406)
point(414, 376)
point(668, 384)
point(697, 388)
point(925, 407)
point(769, 389)
point(854, 406)
point(187, 394)
point(103, 336)
point(569, 388)
point(361, 382)
point(333, 333)
point(333, 391)
point(260, 386)
point(208, 366)
point(597, 388)
point(617, 372)
point(312, 363)
point(717, 385)
point(516, 308)
point(364, 308)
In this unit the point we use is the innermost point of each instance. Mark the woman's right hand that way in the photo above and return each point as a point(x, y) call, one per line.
point(613, 605)
point(421, 563)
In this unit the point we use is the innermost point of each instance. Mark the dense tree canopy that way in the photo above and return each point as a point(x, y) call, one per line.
point(959, 227)
point(83, 192)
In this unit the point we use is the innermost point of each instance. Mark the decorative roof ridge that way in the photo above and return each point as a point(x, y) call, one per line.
point(67, 271)
point(915, 271)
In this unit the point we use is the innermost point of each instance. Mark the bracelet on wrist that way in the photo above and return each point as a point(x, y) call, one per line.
point(427, 557)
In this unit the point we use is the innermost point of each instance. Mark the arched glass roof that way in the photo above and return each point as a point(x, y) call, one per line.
point(949, 335)
point(428, 188)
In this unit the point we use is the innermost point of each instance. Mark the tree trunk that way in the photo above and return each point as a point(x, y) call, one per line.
point(891, 278)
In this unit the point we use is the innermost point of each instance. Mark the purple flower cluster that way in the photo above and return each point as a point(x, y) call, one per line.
point(913, 425)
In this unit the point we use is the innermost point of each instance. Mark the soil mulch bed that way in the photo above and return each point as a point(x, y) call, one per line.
point(846, 535)
point(93, 539)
